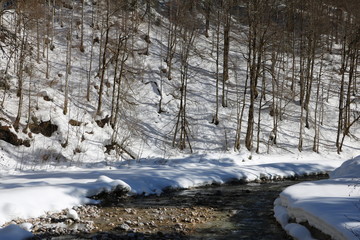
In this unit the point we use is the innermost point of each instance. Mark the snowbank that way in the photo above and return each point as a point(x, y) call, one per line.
point(33, 193)
point(331, 206)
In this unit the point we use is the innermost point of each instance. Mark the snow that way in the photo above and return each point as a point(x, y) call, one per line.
point(298, 231)
point(33, 193)
point(72, 214)
point(62, 171)
point(331, 205)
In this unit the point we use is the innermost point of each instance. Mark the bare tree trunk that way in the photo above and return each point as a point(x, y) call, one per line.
point(68, 62)
point(26, 129)
point(226, 55)
point(293, 53)
point(309, 76)
point(182, 125)
point(316, 117)
point(347, 116)
point(240, 113)
point(344, 65)
point(122, 44)
point(20, 76)
point(37, 41)
point(147, 38)
point(65, 109)
point(275, 112)
point(258, 21)
point(82, 49)
point(91, 54)
point(355, 90)
point(215, 119)
point(302, 103)
point(262, 96)
point(120, 79)
point(172, 38)
point(207, 19)
point(103, 62)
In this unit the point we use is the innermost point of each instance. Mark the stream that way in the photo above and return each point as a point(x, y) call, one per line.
point(231, 211)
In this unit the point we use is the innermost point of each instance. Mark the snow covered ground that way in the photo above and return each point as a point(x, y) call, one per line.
point(33, 193)
point(60, 171)
point(332, 205)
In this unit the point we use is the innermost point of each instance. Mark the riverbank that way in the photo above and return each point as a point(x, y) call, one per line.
point(331, 206)
point(30, 194)
point(236, 211)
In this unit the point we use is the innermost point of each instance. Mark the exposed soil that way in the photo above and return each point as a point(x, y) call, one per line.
point(45, 128)
point(8, 136)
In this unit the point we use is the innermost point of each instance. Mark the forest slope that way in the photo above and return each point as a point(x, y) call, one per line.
point(100, 81)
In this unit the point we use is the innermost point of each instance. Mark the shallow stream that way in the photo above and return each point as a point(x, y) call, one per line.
point(237, 211)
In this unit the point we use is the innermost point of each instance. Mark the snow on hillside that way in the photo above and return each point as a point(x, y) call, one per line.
point(142, 130)
point(70, 157)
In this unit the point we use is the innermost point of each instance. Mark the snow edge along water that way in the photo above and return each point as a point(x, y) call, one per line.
point(31, 194)
point(331, 206)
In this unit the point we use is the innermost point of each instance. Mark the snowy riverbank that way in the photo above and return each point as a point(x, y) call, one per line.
point(33, 193)
point(331, 206)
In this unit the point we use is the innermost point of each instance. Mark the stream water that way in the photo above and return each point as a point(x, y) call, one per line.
point(238, 211)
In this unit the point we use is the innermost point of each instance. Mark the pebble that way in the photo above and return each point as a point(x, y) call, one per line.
point(130, 223)
point(124, 226)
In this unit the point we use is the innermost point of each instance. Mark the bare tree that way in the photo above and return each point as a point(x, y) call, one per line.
point(316, 117)
point(227, 6)
point(188, 33)
point(215, 119)
point(172, 36)
point(26, 14)
point(68, 60)
point(104, 57)
point(258, 20)
point(82, 48)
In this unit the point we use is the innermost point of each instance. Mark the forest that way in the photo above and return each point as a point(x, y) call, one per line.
point(105, 103)
point(151, 77)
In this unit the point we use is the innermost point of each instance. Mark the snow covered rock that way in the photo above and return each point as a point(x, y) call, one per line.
point(27, 226)
point(72, 214)
point(106, 184)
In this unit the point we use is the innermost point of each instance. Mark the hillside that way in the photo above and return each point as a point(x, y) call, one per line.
point(102, 81)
